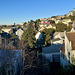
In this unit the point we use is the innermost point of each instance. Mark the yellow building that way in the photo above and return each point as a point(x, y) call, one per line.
point(51, 26)
point(66, 21)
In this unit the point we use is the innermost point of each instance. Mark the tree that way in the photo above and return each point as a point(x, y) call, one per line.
point(30, 21)
point(47, 34)
point(29, 37)
point(61, 27)
point(53, 17)
point(37, 23)
point(24, 23)
point(14, 36)
point(69, 27)
point(30, 63)
point(73, 17)
point(19, 27)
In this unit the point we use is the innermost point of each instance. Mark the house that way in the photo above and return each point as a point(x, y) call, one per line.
point(19, 33)
point(68, 51)
point(73, 29)
point(7, 30)
point(21, 24)
point(59, 17)
point(66, 21)
point(69, 14)
point(6, 42)
point(10, 62)
point(58, 38)
point(43, 19)
point(51, 26)
point(42, 28)
point(57, 21)
point(51, 55)
point(49, 52)
point(47, 26)
point(38, 35)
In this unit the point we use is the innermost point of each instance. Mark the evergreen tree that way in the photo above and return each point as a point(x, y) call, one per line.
point(29, 37)
point(47, 35)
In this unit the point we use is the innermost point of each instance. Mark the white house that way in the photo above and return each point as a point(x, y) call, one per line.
point(50, 55)
point(73, 29)
point(58, 38)
point(38, 35)
point(66, 21)
point(7, 29)
point(19, 33)
point(57, 21)
point(68, 51)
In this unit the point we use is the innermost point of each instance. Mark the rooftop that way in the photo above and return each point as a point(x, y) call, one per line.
point(51, 49)
point(71, 36)
point(7, 28)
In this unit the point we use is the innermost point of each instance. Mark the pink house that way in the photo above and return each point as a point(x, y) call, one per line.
point(46, 22)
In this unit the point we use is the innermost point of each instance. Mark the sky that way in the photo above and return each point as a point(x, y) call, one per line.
point(17, 11)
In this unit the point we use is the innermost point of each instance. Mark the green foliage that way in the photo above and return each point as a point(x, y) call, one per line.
point(2, 71)
point(3, 26)
point(14, 36)
point(24, 24)
point(30, 21)
point(70, 17)
point(73, 12)
point(73, 17)
point(69, 70)
point(19, 27)
point(47, 33)
point(69, 28)
point(29, 37)
point(61, 27)
point(37, 23)
point(73, 60)
point(53, 17)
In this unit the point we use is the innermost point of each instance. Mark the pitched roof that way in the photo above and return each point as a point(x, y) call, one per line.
point(7, 28)
point(51, 49)
point(71, 36)
point(61, 34)
point(73, 45)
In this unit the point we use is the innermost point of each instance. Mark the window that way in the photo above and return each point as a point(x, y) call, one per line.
point(69, 55)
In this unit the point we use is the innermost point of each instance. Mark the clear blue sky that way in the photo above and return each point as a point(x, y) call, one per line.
point(17, 11)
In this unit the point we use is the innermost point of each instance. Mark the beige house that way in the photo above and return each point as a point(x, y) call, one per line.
point(7, 29)
point(66, 21)
point(57, 21)
point(60, 16)
point(47, 26)
point(68, 51)
point(51, 26)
